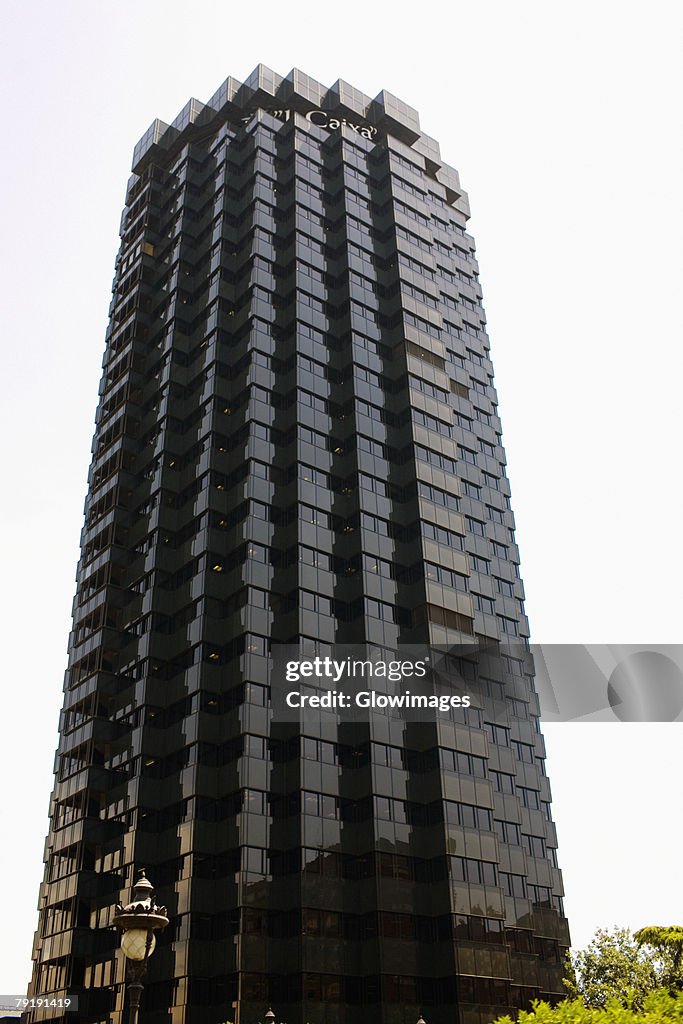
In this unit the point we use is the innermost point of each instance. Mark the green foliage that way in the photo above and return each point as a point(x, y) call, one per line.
point(670, 937)
point(658, 1008)
point(666, 944)
point(613, 967)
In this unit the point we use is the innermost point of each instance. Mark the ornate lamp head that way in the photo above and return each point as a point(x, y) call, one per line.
point(139, 919)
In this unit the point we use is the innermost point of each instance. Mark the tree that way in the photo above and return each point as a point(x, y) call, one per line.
point(667, 945)
point(613, 966)
point(658, 1008)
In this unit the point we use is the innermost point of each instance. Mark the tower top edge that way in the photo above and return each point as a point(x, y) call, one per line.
point(385, 115)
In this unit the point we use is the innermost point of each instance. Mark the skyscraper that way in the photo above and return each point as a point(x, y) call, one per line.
point(297, 445)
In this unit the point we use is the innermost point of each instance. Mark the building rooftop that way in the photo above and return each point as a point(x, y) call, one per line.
point(385, 116)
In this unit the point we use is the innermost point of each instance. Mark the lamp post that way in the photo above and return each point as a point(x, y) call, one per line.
point(138, 920)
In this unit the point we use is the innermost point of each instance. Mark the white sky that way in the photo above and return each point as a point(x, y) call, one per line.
point(563, 120)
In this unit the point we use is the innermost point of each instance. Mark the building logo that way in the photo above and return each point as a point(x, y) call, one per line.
point(323, 119)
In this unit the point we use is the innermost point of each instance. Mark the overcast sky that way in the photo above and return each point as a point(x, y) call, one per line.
point(563, 120)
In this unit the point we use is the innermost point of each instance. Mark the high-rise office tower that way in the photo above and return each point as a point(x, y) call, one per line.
point(297, 443)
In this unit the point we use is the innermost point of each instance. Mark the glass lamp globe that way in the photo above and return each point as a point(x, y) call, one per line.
point(134, 943)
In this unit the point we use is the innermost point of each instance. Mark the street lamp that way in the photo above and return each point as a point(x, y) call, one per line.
point(138, 920)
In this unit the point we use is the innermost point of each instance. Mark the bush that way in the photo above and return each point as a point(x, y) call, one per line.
point(657, 1007)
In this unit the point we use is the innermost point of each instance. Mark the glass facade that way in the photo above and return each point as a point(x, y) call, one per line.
point(297, 442)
